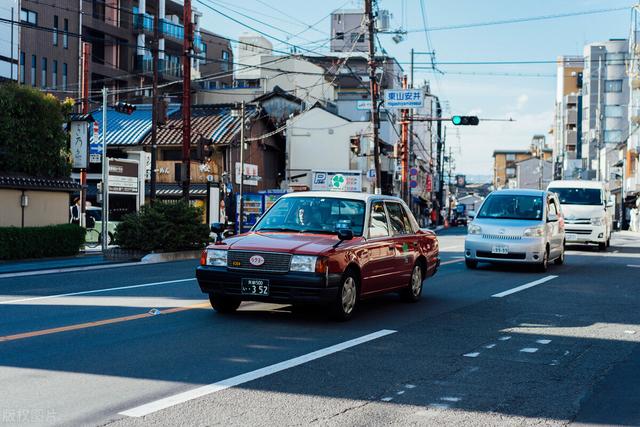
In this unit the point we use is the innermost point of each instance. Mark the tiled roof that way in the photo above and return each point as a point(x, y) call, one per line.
point(35, 183)
point(127, 129)
point(213, 122)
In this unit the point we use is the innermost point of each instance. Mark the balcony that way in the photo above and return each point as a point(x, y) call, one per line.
point(572, 138)
point(572, 117)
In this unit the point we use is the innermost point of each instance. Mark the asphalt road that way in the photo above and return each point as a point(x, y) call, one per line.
point(139, 345)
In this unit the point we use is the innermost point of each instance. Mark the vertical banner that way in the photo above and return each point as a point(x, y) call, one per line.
point(79, 146)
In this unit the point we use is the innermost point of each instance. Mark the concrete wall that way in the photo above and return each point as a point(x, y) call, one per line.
point(44, 208)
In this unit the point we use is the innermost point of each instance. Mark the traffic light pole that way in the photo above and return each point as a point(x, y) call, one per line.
point(439, 141)
point(186, 101)
point(105, 173)
point(154, 112)
point(373, 88)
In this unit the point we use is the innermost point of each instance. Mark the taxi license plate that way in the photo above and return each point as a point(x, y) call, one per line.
point(254, 287)
point(502, 250)
point(571, 237)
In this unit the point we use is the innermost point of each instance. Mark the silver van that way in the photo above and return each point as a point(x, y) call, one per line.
point(517, 226)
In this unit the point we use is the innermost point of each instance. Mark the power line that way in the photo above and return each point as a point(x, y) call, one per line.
point(519, 20)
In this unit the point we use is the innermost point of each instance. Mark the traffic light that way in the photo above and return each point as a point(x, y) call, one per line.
point(205, 148)
point(123, 107)
point(465, 120)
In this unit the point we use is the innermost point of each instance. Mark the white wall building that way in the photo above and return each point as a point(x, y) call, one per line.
point(534, 173)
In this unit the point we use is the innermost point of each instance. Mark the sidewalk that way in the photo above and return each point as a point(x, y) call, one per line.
point(53, 263)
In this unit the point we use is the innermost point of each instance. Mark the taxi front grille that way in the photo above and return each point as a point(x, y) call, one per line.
point(273, 261)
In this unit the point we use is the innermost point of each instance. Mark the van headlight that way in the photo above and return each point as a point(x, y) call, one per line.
point(217, 257)
point(474, 229)
point(304, 263)
point(597, 221)
point(533, 232)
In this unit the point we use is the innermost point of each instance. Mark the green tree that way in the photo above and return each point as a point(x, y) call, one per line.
point(32, 138)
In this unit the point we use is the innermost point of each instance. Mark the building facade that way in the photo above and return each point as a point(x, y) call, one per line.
point(505, 171)
point(10, 29)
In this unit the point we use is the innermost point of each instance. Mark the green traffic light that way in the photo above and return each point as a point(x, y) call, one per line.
point(456, 120)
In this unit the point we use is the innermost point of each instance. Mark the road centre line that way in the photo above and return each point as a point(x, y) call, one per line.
point(71, 269)
point(96, 291)
point(196, 393)
point(633, 266)
point(523, 287)
point(97, 323)
point(452, 261)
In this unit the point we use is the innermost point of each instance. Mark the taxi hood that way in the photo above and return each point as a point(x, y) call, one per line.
point(304, 243)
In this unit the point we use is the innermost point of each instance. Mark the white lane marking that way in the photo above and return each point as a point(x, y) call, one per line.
point(71, 269)
point(399, 393)
point(387, 399)
point(409, 386)
point(630, 332)
point(633, 266)
point(169, 401)
point(528, 350)
point(475, 354)
point(545, 342)
point(96, 291)
point(440, 405)
point(489, 345)
point(523, 287)
point(451, 399)
point(504, 338)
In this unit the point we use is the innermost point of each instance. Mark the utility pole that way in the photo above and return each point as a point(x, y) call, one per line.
point(86, 54)
point(241, 192)
point(404, 150)
point(440, 192)
point(105, 173)
point(599, 118)
point(373, 88)
point(186, 101)
point(154, 111)
point(410, 142)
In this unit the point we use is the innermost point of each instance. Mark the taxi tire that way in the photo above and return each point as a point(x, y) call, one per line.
point(224, 305)
point(407, 294)
point(560, 259)
point(543, 267)
point(338, 312)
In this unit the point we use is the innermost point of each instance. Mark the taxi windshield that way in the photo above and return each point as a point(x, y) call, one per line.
point(313, 215)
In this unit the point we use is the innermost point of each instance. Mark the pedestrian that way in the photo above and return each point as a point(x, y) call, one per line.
point(75, 211)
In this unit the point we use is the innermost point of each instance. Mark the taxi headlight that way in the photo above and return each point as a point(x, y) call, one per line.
point(474, 229)
point(533, 232)
point(304, 263)
point(217, 257)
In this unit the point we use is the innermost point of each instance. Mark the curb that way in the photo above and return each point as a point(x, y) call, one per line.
point(170, 256)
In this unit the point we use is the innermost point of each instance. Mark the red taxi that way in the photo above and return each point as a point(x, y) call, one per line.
point(331, 248)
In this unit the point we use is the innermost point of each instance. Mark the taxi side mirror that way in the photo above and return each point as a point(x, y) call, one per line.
point(345, 234)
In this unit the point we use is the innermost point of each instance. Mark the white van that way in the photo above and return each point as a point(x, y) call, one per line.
point(587, 211)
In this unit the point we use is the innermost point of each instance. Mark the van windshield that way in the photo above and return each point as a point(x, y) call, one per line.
point(578, 196)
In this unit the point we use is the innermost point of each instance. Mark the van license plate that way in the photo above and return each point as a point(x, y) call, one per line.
point(501, 250)
point(255, 287)
point(571, 237)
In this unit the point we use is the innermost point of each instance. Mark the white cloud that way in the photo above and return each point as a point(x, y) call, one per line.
point(522, 101)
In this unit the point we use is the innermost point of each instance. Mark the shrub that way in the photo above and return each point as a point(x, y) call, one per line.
point(163, 227)
point(40, 242)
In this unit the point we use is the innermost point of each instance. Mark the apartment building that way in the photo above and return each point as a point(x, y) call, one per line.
point(605, 122)
point(120, 33)
point(567, 147)
point(505, 164)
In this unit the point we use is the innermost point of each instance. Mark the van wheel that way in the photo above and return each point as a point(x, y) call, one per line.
point(223, 304)
point(413, 292)
point(602, 246)
point(560, 259)
point(544, 265)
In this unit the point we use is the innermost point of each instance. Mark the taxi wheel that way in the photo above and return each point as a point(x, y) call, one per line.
point(560, 259)
point(544, 265)
point(343, 306)
point(413, 292)
point(224, 304)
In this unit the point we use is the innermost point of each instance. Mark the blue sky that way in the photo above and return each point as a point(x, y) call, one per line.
point(529, 100)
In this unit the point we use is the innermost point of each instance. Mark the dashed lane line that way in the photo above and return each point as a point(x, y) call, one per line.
point(523, 287)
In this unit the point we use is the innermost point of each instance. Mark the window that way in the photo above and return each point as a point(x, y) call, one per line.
point(511, 157)
point(33, 70)
point(398, 219)
point(512, 207)
point(64, 76)
point(578, 196)
point(613, 111)
point(552, 209)
point(378, 224)
point(54, 73)
point(511, 172)
point(613, 85)
point(29, 16)
point(22, 67)
point(612, 136)
point(357, 37)
point(339, 36)
point(43, 73)
point(224, 66)
point(65, 35)
point(55, 30)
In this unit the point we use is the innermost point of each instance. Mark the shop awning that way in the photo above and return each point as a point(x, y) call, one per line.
point(173, 191)
point(126, 129)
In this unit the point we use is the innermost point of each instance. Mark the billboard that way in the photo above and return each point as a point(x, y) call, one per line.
point(337, 181)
